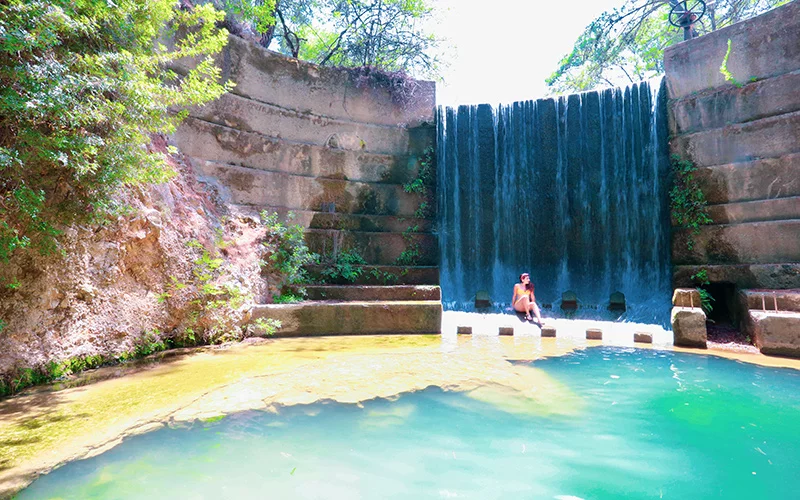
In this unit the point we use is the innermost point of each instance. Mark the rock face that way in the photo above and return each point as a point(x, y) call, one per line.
point(689, 327)
point(776, 333)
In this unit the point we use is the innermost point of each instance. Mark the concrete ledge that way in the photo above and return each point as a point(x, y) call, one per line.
point(376, 248)
point(753, 180)
point(761, 47)
point(227, 145)
point(772, 300)
point(689, 327)
point(774, 276)
point(756, 211)
point(770, 137)
point(746, 243)
point(686, 297)
point(362, 293)
point(776, 333)
point(293, 126)
point(729, 105)
point(387, 275)
point(248, 186)
point(353, 318)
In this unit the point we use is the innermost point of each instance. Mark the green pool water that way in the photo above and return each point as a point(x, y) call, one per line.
point(652, 424)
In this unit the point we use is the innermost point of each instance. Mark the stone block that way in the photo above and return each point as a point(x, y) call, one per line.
point(353, 318)
point(760, 48)
point(759, 179)
point(686, 297)
point(464, 330)
point(482, 299)
point(594, 334)
point(505, 330)
point(381, 275)
point(365, 293)
point(773, 276)
point(689, 327)
point(548, 331)
point(776, 333)
point(772, 300)
point(643, 338)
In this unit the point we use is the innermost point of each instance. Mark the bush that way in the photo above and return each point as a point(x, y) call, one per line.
point(82, 85)
point(285, 252)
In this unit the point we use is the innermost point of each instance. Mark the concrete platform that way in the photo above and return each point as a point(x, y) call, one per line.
point(373, 293)
point(353, 318)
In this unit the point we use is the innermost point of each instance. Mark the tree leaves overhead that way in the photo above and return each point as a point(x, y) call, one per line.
point(627, 44)
point(386, 34)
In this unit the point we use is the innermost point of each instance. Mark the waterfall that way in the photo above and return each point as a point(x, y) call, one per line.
point(572, 189)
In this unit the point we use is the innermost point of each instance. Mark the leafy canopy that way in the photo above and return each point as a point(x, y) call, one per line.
point(627, 44)
point(82, 85)
point(386, 34)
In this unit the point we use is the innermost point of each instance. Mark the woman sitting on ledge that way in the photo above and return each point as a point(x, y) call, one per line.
point(524, 301)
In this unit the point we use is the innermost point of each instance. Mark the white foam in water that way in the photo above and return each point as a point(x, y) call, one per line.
point(487, 325)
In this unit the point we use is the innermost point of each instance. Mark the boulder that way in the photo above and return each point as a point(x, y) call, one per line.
point(689, 327)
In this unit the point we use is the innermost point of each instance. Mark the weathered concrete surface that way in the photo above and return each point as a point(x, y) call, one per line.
point(353, 318)
point(689, 327)
point(722, 106)
point(382, 275)
point(762, 47)
point(776, 333)
point(224, 144)
point(773, 276)
point(774, 136)
point(772, 300)
point(746, 243)
point(756, 211)
point(743, 137)
point(376, 248)
point(282, 81)
point(301, 127)
point(686, 297)
point(762, 179)
point(365, 293)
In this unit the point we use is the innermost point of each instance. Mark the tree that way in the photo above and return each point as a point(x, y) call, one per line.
point(82, 85)
point(627, 44)
point(385, 34)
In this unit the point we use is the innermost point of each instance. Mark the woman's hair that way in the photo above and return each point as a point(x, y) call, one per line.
point(529, 286)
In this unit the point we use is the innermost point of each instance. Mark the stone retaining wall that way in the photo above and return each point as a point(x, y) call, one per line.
point(745, 137)
point(334, 146)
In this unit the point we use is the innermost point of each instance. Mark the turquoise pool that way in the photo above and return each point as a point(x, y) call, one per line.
point(652, 424)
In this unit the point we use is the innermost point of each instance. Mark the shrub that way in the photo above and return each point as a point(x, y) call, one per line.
point(82, 85)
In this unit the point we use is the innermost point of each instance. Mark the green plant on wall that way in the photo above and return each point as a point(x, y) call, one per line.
point(285, 255)
point(347, 266)
point(724, 68)
point(420, 185)
point(700, 278)
point(688, 205)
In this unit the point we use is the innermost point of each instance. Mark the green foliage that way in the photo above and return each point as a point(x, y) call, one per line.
point(82, 85)
point(724, 68)
point(285, 251)
point(391, 35)
point(385, 277)
point(687, 203)
point(288, 298)
point(627, 44)
point(266, 326)
point(347, 265)
point(701, 279)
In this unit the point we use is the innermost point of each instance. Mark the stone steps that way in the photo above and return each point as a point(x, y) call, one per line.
point(756, 211)
point(370, 293)
point(383, 275)
point(771, 300)
point(227, 145)
point(314, 318)
point(770, 137)
point(247, 186)
point(346, 222)
point(746, 243)
point(381, 248)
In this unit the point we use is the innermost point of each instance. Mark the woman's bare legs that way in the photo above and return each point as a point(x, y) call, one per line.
point(535, 310)
point(523, 305)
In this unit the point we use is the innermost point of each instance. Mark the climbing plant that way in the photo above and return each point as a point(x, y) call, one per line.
point(688, 204)
point(420, 186)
